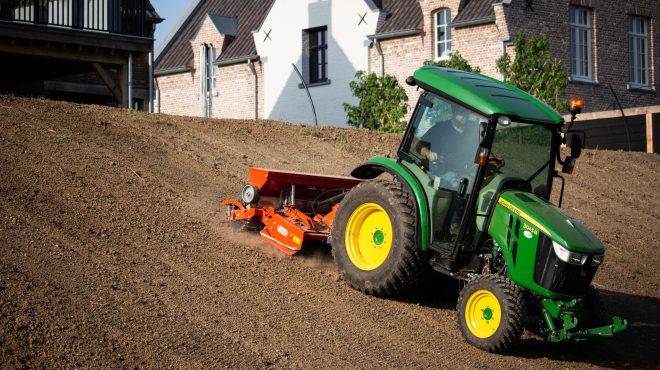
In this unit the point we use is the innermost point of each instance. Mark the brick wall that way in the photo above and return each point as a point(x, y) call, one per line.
point(404, 55)
point(610, 49)
point(235, 97)
point(481, 45)
point(401, 56)
point(179, 94)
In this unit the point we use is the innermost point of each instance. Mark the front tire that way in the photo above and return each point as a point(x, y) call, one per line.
point(490, 313)
point(374, 239)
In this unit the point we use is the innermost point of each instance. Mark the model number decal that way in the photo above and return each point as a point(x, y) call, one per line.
point(529, 231)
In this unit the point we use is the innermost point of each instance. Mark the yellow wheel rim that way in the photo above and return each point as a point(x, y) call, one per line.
point(368, 236)
point(483, 314)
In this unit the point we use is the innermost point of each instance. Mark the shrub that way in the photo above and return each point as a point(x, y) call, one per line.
point(534, 70)
point(455, 61)
point(382, 103)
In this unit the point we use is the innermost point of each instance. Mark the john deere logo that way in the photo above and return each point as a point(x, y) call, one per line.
point(528, 234)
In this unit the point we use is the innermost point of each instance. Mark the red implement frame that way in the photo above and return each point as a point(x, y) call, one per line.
point(292, 206)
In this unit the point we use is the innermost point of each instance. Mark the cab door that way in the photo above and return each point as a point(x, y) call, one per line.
point(439, 149)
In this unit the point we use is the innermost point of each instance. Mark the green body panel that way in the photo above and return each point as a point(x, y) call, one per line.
point(554, 222)
point(439, 201)
point(488, 95)
point(487, 196)
point(536, 216)
point(420, 200)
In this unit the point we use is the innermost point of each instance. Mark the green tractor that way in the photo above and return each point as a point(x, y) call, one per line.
point(469, 196)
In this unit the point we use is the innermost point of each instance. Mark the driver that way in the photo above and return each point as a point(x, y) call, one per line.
point(452, 143)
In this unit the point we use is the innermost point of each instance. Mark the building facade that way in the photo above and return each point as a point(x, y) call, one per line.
point(608, 48)
point(88, 51)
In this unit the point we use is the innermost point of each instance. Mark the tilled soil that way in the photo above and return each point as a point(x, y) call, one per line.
point(114, 252)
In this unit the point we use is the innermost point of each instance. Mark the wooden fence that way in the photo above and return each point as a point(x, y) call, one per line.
point(609, 130)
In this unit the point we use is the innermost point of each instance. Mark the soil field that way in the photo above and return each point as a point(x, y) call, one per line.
point(114, 253)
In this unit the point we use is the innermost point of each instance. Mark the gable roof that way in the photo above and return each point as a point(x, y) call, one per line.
point(178, 53)
point(224, 25)
point(407, 15)
point(401, 15)
point(152, 14)
point(474, 12)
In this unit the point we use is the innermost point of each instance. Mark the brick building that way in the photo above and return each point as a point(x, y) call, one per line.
point(88, 51)
point(606, 46)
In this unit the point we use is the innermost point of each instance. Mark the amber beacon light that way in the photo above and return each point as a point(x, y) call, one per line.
point(575, 105)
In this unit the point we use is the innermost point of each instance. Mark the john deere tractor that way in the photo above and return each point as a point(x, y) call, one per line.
point(469, 196)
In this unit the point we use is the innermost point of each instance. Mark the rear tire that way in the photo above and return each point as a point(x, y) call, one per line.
point(490, 313)
point(374, 239)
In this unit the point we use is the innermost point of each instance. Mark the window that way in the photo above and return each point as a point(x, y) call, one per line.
point(638, 35)
point(213, 71)
point(318, 54)
point(581, 44)
point(442, 34)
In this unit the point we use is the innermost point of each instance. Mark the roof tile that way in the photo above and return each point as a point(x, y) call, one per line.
point(249, 13)
point(473, 10)
point(403, 15)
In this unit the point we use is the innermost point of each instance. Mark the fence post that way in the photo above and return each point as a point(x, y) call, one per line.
point(649, 131)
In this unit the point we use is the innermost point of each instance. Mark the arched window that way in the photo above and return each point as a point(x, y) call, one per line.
point(442, 34)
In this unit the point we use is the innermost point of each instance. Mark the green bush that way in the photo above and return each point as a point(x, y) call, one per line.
point(382, 103)
point(455, 61)
point(534, 70)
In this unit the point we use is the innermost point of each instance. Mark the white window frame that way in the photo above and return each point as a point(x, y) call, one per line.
point(442, 33)
point(214, 71)
point(582, 68)
point(639, 52)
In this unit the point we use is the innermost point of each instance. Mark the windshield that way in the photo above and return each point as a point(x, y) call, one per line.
point(526, 153)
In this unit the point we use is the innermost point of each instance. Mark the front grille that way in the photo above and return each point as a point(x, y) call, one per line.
point(558, 276)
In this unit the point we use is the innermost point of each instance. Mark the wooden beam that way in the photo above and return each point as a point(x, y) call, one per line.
point(90, 89)
point(123, 85)
point(649, 132)
point(636, 111)
point(65, 54)
point(76, 37)
point(108, 81)
point(78, 88)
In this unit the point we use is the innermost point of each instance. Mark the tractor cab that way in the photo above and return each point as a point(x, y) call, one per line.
point(465, 156)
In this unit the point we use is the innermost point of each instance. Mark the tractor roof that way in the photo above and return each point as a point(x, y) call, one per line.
point(487, 95)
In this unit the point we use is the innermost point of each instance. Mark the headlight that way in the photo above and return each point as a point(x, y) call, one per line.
point(597, 260)
point(250, 194)
point(568, 256)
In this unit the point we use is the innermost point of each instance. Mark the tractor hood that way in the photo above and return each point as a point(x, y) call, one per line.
point(552, 221)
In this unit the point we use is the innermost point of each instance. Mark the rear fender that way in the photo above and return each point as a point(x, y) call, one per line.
point(379, 165)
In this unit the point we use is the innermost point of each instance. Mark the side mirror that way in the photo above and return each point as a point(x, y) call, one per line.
point(577, 144)
point(569, 165)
